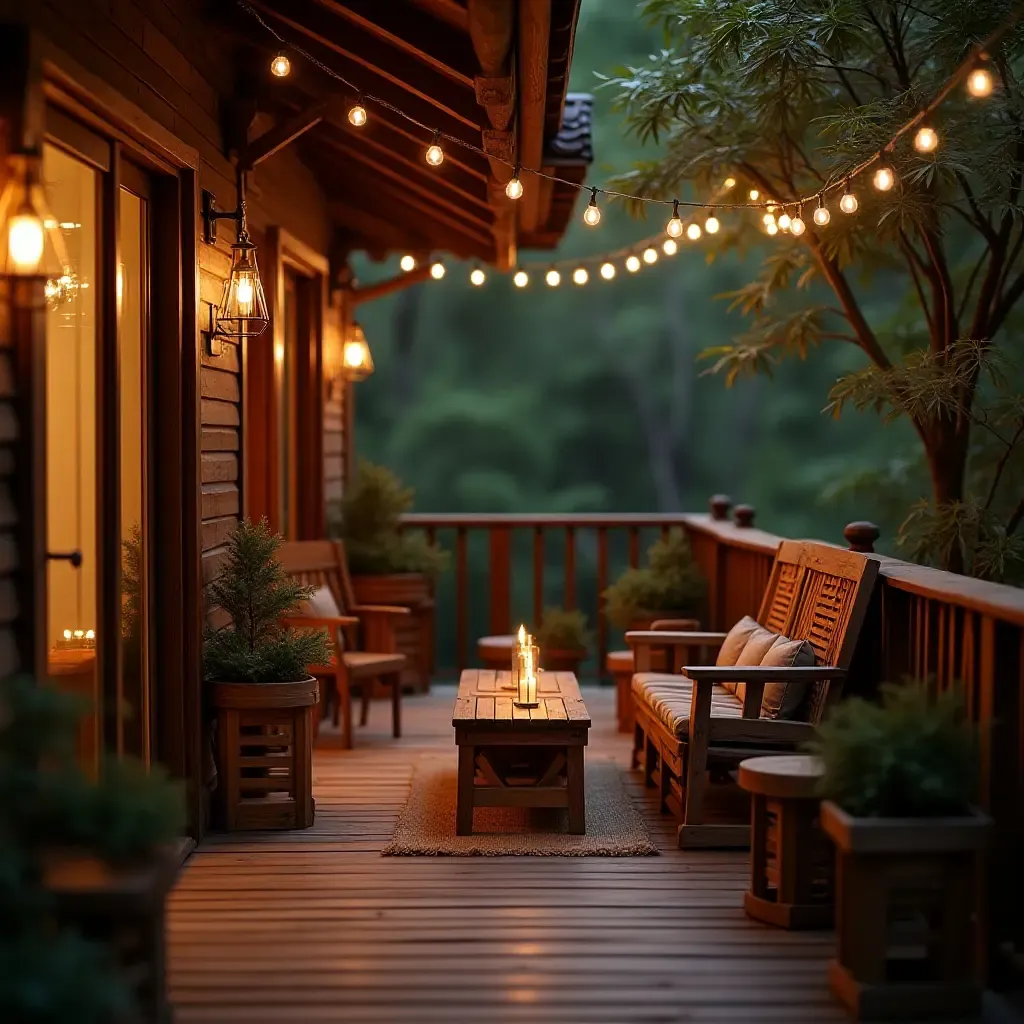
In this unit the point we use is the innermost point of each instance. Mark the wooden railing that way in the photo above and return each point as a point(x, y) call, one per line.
point(924, 624)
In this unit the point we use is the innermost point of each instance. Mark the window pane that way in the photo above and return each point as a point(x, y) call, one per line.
point(71, 441)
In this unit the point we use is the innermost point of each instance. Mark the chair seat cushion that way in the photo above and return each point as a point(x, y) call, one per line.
point(668, 699)
point(361, 664)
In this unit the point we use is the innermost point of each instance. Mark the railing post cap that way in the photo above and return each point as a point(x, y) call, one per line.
point(720, 505)
point(861, 536)
point(743, 515)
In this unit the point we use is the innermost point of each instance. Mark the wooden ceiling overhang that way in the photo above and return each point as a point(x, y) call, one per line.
point(492, 73)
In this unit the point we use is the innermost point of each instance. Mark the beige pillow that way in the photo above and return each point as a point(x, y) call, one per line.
point(783, 700)
point(758, 644)
point(735, 641)
point(323, 606)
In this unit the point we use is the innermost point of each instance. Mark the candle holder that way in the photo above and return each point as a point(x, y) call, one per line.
point(524, 675)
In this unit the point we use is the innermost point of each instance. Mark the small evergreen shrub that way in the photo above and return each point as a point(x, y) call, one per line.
point(670, 582)
point(907, 757)
point(256, 592)
point(563, 631)
point(368, 519)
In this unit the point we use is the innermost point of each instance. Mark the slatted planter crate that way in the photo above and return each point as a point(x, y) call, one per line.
point(265, 754)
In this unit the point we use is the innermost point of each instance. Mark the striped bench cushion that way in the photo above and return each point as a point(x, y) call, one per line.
point(668, 699)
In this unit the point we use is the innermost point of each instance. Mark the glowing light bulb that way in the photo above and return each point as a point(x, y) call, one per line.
point(729, 183)
point(821, 215)
point(244, 294)
point(580, 275)
point(754, 195)
point(434, 154)
point(67, 634)
point(926, 140)
point(407, 262)
point(711, 225)
point(280, 66)
point(797, 225)
point(979, 83)
point(772, 228)
point(357, 114)
point(477, 277)
point(553, 278)
point(521, 279)
point(25, 242)
point(674, 228)
point(849, 203)
point(514, 188)
point(693, 231)
point(650, 255)
point(784, 221)
point(437, 270)
point(884, 179)
point(768, 218)
point(608, 270)
point(632, 263)
point(90, 634)
point(592, 214)
point(670, 247)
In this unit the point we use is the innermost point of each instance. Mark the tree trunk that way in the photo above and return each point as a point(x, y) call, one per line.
point(947, 442)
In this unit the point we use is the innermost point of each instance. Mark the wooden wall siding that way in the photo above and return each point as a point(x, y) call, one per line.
point(334, 406)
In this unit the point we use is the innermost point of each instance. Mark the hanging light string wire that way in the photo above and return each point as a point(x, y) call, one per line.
point(978, 52)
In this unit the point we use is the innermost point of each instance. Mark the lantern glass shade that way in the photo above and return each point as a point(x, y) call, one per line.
point(243, 307)
point(356, 357)
point(31, 242)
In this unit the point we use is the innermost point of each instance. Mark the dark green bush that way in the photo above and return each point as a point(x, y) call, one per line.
point(562, 630)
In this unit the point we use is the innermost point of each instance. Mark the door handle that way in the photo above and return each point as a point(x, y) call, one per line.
point(74, 557)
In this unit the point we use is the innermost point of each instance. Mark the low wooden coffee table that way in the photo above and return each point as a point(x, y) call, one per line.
point(520, 757)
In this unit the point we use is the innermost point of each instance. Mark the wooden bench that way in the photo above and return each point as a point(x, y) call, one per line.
point(321, 563)
point(687, 724)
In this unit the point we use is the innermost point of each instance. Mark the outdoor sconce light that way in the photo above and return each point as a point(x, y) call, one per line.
point(242, 312)
point(525, 666)
point(357, 362)
point(31, 243)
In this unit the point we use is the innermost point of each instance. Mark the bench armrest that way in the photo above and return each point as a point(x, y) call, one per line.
point(380, 609)
point(318, 621)
point(754, 678)
point(680, 644)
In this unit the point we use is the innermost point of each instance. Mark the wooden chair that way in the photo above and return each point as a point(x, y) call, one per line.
point(321, 563)
point(688, 724)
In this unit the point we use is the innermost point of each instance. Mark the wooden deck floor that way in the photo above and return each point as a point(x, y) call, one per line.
point(316, 926)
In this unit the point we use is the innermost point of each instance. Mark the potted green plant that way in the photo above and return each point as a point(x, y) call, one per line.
point(670, 586)
point(85, 869)
point(389, 565)
point(899, 782)
point(260, 687)
point(564, 639)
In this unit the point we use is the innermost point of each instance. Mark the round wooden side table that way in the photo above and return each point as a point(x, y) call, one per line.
point(496, 651)
point(791, 861)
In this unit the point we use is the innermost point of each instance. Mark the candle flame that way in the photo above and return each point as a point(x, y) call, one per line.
point(521, 635)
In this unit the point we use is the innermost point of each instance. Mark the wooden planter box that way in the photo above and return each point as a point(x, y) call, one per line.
point(908, 906)
point(265, 754)
point(414, 635)
point(122, 906)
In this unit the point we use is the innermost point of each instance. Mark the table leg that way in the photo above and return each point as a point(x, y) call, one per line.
point(464, 801)
point(574, 785)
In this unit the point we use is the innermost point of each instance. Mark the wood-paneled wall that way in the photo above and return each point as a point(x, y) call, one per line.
point(334, 406)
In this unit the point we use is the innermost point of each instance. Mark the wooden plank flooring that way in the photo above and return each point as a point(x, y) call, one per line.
point(317, 926)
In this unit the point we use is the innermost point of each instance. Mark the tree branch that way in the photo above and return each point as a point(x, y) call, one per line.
point(913, 259)
point(1015, 518)
point(1001, 465)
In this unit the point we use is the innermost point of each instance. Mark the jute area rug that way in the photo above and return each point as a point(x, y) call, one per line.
point(426, 826)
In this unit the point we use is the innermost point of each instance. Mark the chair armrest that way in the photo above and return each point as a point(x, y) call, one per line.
point(318, 621)
point(380, 609)
point(679, 625)
point(761, 673)
point(644, 641)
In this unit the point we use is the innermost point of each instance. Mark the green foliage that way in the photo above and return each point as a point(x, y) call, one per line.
point(671, 582)
point(369, 520)
point(562, 630)
point(908, 757)
point(256, 592)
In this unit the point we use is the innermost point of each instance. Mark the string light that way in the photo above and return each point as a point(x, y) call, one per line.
point(608, 270)
point(521, 279)
point(632, 263)
point(979, 83)
point(669, 247)
point(772, 228)
point(592, 214)
point(884, 178)
point(580, 275)
point(848, 204)
point(926, 140)
point(281, 66)
point(357, 113)
point(674, 227)
point(407, 262)
point(437, 270)
point(650, 255)
point(754, 195)
point(797, 225)
point(553, 278)
point(821, 214)
point(477, 276)
point(785, 221)
point(711, 225)
point(514, 188)
point(729, 183)
point(435, 154)
point(693, 231)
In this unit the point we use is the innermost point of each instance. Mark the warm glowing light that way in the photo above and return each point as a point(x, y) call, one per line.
point(407, 262)
point(768, 218)
point(797, 225)
point(979, 83)
point(926, 140)
point(25, 242)
point(608, 270)
point(90, 634)
point(848, 204)
point(754, 195)
point(245, 293)
point(632, 263)
point(280, 66)
point(553, 278)
point(580, 275)
point(357, 116)
point(521, 279)
point(357, 362)
point(784, 221)
point(729, 183)
point(884, 179)
point(670, 247)
point(67, 634)
point(477, 277)
point(521, 636)
point(674, 227)
point(437, 270)
point(592, 214)
point(514, 188)
point(822, 216)
point(711, 225)
point(693, 231)
point(772, 228)
point(434, 154)
point(650, 255)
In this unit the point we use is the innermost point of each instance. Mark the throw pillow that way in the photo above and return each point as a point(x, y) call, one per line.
point(758, 644)
point(323, 606)
point(736, 640)
point(783, 700)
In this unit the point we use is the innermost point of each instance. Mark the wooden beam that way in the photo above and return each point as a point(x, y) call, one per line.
point(491, 27)
point(393, 284)
point(276, 138)
point(451, 12)
point(413, 32)
point(532, 68)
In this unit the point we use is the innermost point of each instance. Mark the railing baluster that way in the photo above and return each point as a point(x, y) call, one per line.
point(461, 598)
point(500, 573)
point(570, 568)
point(602, 583)
point(538, 574)
point(634, 546)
